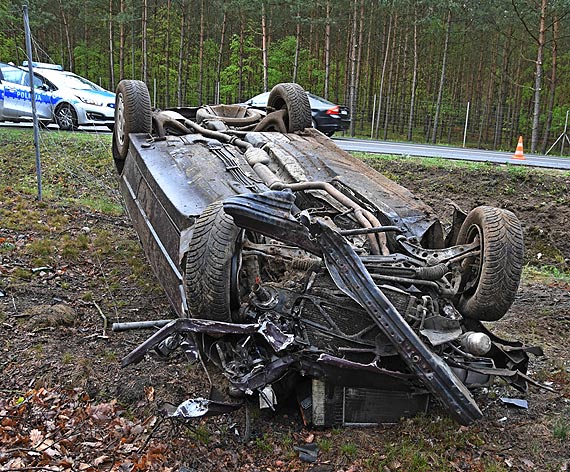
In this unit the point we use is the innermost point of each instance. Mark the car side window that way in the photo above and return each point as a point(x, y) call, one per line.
point(12, 74)
point(37, 81)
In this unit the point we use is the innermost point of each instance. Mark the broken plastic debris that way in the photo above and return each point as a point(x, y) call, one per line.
point(192, 408)
point(198, 407)
point(308, 452)
point(267, 398)
point(518, 402)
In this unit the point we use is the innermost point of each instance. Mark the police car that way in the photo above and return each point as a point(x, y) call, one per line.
point(61, 97)
point(16, 99)
point(80, 101)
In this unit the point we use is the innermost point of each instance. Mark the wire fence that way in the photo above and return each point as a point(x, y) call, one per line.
point(494, 127)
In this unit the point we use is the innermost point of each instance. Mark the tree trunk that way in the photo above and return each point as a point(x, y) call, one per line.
point(414, 79)
point(67, 37)
point(297, 42)
point(327, 50)
point(442, 79)
point(181, 56)
point(359, 62)
point(370, 67)
point(201, 55)
point(122, 41)
point(144, 23)
point(383, 74)
point(538, 77)
point(553, 80)
point(111, 52)
point(352, 92)
point(167, 58)
point(264, 48)
point(498, 136)
point(389, 97)
point(241, 53)
point(220, 56)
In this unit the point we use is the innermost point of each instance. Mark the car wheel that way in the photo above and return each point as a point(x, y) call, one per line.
point(66, 117)
point(209, 265)
point(329, 133)
point(133, 114)
point(490, 280)
point(294, 99)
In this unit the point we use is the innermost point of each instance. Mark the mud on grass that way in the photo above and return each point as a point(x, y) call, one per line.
point(71, 265)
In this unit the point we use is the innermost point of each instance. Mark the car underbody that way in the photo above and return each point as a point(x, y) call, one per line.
point(296, 269)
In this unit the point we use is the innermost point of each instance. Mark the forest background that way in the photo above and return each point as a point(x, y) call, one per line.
point(407, 69)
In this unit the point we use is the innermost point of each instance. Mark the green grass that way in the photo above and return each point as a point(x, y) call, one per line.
point(545, 274)
point(561, 430)
point(349, 450)
point(517, 172)
point(77, 171)
point(264, 443)
point(66, 228)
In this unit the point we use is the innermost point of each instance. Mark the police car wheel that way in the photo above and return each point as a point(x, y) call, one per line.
point(66, 117)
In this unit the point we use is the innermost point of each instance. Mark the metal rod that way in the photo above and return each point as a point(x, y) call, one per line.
point(565, 135)
point(562, 137)
point(377, 229)
point(33, 95)
point(130, 325)
point(466, 122)
point(373, 116)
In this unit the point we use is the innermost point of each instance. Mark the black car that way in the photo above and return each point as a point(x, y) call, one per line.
point(326, 116)
point(296, 268)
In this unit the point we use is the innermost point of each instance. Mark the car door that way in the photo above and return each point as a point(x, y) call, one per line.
point(44, 95)
point(1, 96)
point(17, 101)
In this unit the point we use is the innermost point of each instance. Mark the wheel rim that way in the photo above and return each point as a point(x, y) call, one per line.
point(120, 120)
point(65, 117)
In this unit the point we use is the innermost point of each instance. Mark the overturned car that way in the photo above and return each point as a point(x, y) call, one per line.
point(295, 268)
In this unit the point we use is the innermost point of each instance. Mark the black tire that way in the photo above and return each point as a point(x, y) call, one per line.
point(133, 114)
point(66, 117)
point(490, 281)
point(329, 133)
point(209, 265)
point(293, 98)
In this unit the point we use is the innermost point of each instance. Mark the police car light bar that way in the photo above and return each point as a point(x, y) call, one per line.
point(43, 65)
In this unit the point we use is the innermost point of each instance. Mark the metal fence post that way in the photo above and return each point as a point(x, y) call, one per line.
point(466, 122)
point(33, 95)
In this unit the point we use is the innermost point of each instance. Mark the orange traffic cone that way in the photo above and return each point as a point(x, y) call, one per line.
point(519, 152)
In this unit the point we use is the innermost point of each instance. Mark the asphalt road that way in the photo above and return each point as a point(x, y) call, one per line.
point(427, 150)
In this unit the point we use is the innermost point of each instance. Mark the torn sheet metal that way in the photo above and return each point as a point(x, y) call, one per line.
point(270, 332)
point(517, 402)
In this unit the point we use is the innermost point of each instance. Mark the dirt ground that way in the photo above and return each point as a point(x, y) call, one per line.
point(66, 404)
